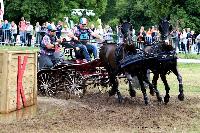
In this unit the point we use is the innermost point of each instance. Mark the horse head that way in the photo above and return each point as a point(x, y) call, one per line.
point(165, 29)
point(126, 30)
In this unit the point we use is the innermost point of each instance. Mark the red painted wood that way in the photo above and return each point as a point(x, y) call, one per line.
point(18, 85)
point(20, 90)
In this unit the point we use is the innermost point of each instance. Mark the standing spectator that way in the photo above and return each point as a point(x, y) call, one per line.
point(141, 37)
point(6, 31)
point(148, 36)
point(183, 38)
point(189, 40)
point(108, 34)
point(92, 27)
point(198, 44)
point(47, 25)
point(174, 34)
point(43, 30)
point(99, 31)
point(65, 32)
point(93, 38)
point(179, 34)
point(43, 27)
point(193, 43)
point(22, 30)
point(154, 33)
point(1, 32)
point(37, 32)
point(29, 33)
point(94, 30)
point(59, 29)
point(13, 32)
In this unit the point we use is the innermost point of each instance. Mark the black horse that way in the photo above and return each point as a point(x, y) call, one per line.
point(114, 56)
point(164, 59)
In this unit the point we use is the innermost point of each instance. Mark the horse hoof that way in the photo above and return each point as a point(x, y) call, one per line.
point(181, 97)
point(120, 99)
point(152, 92)
point(160, 100)
point(132, 93)
point(146, 100)
point(111, 93)
point(166, 99)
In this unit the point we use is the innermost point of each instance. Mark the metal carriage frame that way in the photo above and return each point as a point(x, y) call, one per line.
point(71, 76)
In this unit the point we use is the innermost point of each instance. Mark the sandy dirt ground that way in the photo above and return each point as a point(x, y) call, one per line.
point(96, 113)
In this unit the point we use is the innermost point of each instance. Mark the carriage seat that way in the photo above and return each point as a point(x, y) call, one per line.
point(70, 51)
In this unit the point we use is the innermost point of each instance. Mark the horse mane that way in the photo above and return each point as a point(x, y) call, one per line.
point(167, 47)
point(158, 48)
point(130, 48)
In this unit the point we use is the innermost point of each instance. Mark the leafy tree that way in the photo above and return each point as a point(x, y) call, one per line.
point(47, 10)
point(184, 13)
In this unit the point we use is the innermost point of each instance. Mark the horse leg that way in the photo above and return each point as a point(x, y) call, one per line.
point(115, 89)
point(147, 78)
point(154, 89)
point(166, 98)
point(154, 82)
point(146, 100)
point(132, 91)
point(179, 78)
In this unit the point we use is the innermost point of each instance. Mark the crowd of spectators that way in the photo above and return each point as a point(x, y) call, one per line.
point(24, 33)
point(185, 40)
point(30, 35)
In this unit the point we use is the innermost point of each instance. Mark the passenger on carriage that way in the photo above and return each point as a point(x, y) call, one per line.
point(49, 49)
point(83, 34)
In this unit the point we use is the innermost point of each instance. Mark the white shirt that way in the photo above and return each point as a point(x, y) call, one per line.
point(37, 28)
point(183, 37)
point(14, 29)
point(29, 29)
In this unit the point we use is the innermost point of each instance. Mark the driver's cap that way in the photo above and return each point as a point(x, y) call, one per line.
point(83, 21)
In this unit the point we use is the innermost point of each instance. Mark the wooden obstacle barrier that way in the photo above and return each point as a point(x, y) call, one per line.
point(18, 80)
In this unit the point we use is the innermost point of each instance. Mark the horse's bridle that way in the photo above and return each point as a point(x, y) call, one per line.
point(127, 36)
point(166, 38)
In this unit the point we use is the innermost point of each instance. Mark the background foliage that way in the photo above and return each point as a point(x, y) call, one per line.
point(184, 13)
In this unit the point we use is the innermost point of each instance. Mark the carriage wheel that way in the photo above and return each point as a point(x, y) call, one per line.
point(75, 83)
point(46, 83)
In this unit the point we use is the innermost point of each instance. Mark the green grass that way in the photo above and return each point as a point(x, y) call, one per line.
point(190, 74)
point(188, 56)
point(16, 48)
point(191, 80)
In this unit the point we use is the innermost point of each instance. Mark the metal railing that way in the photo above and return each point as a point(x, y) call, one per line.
point(7, 37)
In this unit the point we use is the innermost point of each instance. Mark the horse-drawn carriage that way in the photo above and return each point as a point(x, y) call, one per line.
point(73, 77)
